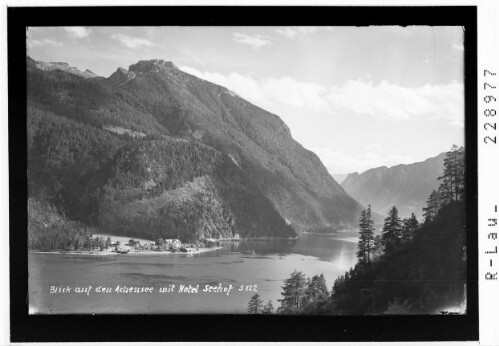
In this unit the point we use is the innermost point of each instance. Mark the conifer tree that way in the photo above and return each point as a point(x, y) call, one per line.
point(361, 246)
point(409, 228)
point(377, 246)
point(391, 234)
point(452, 181)
point(432, 206)
point(268, 308)
point(255, 304)
point(316, 290)
point(366, 237)
point(293, 291)
point(369, 233)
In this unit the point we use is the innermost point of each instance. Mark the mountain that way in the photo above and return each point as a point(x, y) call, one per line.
point(154, 151)
point(426, 275)
point(405, 186)
point(339, 177)
point(62, 66)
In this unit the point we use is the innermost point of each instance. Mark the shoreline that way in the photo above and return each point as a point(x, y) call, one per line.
point(265, 239)
point(133, 253)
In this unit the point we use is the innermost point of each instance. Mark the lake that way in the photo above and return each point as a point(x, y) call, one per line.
point(271, 264)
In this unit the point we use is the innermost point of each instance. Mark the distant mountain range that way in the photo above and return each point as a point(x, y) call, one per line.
point(339, 177)
point(155, 152)
point(405, 186)
point(62, 66)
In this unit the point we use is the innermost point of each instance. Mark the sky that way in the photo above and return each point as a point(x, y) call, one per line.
point(359, 97)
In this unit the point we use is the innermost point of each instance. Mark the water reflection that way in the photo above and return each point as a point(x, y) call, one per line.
point(327, 247)
point(272, 263)
point(260, 247)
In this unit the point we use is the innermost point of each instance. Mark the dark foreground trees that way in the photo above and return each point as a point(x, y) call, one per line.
point(420, 270)
point(292, 293)
point(391, 235)
point(424, 275)
point(366, 238)
point(301, 295)
point(423, 267)
point(268, 308)
point(452, 181)
point(409, 227)
point(255, 304)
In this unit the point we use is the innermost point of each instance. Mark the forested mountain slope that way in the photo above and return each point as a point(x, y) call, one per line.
point(153, 151)
point(406, 186)
point(410, 268)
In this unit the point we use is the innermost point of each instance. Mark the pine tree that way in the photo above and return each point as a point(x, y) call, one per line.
point(432, 206)
point(409, 228)
point(452, 185)
point(361, 247)
point(366, 236)
point(369, 233)
point(268, 308)
point(377, 246)
point(391, 235)
point(293, 290)
point(255, 304)
point(316, 290)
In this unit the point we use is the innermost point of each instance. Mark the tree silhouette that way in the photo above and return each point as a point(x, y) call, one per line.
point(268, 308)
point(410, 225)
point(432, 206)
point(452, 180)
point(366, 237)
point(255, 304)
point(293, 291)
point(391, 234)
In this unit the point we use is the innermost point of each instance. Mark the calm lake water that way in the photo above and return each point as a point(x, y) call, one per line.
point(273, 262)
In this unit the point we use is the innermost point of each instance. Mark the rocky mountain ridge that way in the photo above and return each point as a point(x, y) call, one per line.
point(405, 186)
point(198, 143)
point(62, 66)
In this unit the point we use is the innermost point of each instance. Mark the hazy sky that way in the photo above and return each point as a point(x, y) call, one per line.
point(358, 97)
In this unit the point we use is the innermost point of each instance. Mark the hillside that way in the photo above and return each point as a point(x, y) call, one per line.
point(424, 276)
point(417, 268)
point(411, 268)
point(62, 66)
point(406, 186)
point(152, 151)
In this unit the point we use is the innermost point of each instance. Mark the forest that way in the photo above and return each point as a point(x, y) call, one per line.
point(85, 175)
point(410, 268)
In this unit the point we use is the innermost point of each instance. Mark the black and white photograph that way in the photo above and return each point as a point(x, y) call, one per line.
point(269, 170)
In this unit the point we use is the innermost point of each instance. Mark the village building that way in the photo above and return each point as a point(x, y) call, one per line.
point(176, 244)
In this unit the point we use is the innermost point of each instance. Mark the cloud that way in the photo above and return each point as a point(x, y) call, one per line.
point(132, 42)
point(293, 31)
point(392, 102)
point(234, 81)
point(255, 41)
point(384, 100)
point(77, 31)
point(44, 42)
point(267, 92)
point(338, 162)
point(457, 46)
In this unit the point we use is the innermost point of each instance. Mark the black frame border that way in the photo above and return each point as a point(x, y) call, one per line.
point(50, 328)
